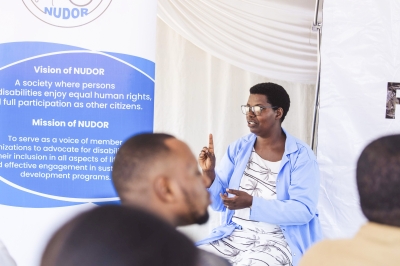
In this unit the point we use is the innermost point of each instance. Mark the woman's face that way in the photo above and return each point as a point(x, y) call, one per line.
point(269, 118)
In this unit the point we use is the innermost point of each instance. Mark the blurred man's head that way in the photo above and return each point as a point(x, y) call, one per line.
point(118, 236)
point(159, 173)
point(378, 180)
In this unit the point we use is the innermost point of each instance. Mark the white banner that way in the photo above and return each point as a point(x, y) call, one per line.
point(360, 66)
point(76, 80)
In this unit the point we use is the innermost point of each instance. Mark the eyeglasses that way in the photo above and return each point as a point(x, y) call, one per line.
point(255, 109)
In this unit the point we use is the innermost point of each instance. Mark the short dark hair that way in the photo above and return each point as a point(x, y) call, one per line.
point(120, 236)
point(135, 156)
point(378, 180)
point(276, 95)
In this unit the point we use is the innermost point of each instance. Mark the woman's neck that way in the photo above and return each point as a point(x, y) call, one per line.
point(272, 146)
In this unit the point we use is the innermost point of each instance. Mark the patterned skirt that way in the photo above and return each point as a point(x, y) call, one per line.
point(256, 244)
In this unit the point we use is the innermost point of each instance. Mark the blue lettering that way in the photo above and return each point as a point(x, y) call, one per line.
point(84, 12)
point(75, 13)
point(55, 13)
point(48, 11)
point(66, 13)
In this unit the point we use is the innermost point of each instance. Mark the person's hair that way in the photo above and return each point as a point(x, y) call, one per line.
point(119, 236)
point(378, 180)
point(276, 95)
point(135, 157)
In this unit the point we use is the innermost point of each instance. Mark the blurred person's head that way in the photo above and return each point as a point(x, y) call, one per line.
point(159, 173)
point(119, 236)
point(378, 180)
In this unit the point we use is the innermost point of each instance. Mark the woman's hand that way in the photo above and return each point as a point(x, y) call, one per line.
point(240, 201)
point(207, 160)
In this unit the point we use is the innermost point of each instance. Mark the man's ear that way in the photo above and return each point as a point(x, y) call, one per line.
point(163, 188)
point(279, 113)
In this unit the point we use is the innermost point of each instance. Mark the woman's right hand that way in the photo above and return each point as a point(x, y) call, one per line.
point(207, 160)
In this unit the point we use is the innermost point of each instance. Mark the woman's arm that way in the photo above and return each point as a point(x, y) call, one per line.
point(303, 192)
point(219, 178)
point(207, 161)
point(222, 176)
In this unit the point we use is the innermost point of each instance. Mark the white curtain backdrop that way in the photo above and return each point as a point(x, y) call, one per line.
point(271, 38)
point(197, 94)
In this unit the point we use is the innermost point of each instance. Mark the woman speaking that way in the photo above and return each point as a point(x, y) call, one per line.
point(266, 185)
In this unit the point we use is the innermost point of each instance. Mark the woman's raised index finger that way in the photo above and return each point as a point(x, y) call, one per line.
point(210, 143)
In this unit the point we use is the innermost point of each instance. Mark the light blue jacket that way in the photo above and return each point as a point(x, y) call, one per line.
point(294, 210)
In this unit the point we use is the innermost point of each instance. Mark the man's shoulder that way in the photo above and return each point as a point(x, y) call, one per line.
point(343, 252)
point(209, 259)
point(326, 246)
point(322, 252)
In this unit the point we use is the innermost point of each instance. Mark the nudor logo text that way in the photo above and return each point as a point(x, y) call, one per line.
point(67, 13)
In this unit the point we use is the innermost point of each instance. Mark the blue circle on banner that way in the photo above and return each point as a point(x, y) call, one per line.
point(70, 159)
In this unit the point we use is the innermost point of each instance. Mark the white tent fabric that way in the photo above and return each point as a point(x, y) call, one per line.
point(271, 38)
point(197, 94)
point(360, 56)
